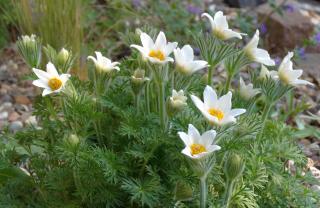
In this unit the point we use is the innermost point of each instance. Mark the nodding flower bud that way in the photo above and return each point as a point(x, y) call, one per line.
point(138, 80)
point(233, 167)
point(63, 56)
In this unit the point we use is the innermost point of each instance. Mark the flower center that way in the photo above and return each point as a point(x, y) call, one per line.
point(54, 83)
point(157, 54)
point(197, 149)
point(216, 113)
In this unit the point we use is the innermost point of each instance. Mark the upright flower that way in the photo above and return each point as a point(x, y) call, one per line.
point(51, 81)
point(247, 91)
point(178, 99)
point(288, 75)
point(29, 39)
point(156, 52)
point(220, 27)
point(198, 146)
point(256, 54)
point(104, 64)
point(264, 73)
point(217, 110)
point(185, 62)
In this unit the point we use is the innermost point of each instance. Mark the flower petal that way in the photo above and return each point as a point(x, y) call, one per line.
point(185, 138)
point(210, 97)
point(40, 83)
point(224, 102)
point(161, 41)
point(51, 69)
point(198, 103)
point(194, 134)
point(237, 111)
point(146, 41)
point(46, 92)
point(208, 137)
point(220, 21)
point(41, 74)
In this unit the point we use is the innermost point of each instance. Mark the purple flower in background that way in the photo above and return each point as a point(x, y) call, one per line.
point(194, 9)
point(317, 38)
point(289, 8)
point(196, 51)
point(302, 53)
point(263, 28)
point(136, 3)
point(277, 60)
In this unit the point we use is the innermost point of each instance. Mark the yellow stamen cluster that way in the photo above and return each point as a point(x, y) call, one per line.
point(197, 149)
point(157, 54)
point(54, 83)
point(216, 113)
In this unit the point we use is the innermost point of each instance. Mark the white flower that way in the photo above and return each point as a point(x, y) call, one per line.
point(256, 54)
point(51, 81)
point(264, 73)
point(217, 110)
point(104, 64)
point(155, 52)
point(198, 146)
point(63, 55)
point(288, 75)
point(220, 27)
point(178, 99)
point(185, 62)
point(28, 39)
point(247, 91)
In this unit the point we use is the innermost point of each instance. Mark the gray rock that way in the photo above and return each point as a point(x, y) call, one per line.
point(314, 147)
point(4, 115)
point(315, 188)
point(16, 126)
point(6, 98)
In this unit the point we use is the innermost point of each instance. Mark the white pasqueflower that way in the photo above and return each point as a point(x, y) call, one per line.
point(178, 99)
point(104, 64)
point(264, 73)
point(198, 146)
point(288, 75)
point(185, 62)
point(51, 81)
point(217, 110)
point(156, 52)
point(247, 91)
point(220, 27)
point(257, 54)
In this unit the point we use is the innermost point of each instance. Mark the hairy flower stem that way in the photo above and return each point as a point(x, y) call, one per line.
point(265, 114)
point(228, 83)
point(137, 101)
point(228, 194)
point(203, 191)
point(210, 72)
point(162, 105)
point(97, 124)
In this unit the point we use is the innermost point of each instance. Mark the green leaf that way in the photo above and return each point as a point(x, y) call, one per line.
point(11, 173)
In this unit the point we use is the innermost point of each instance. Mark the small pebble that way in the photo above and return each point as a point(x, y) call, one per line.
point(4, 115)
point(16, 126)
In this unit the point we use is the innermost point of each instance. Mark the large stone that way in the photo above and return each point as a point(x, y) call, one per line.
point(287, 31)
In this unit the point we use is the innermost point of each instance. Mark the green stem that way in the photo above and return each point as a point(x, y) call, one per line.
point(265, 114)
point(228, 83)
point(137, 101)
point(228, 194)
point(162, 104)
point(210, 72)
point(203, 192)
point(147, 97)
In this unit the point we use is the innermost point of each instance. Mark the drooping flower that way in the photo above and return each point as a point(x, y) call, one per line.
point(198, 146)
point(217, 110)
point(220, 27)
point(247, 91)
point(51, 81)
point(158, 51)
point(104, 64)
point(256, 54)
point(288, 75)
point(178, 99)
point(185, 62)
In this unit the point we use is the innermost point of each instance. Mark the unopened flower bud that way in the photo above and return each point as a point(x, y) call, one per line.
point(138, 31)
point(176, 102)
point(138, 80)
point(73, 139)
point(63, 56)
point(233, 167)
point(30, 49)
